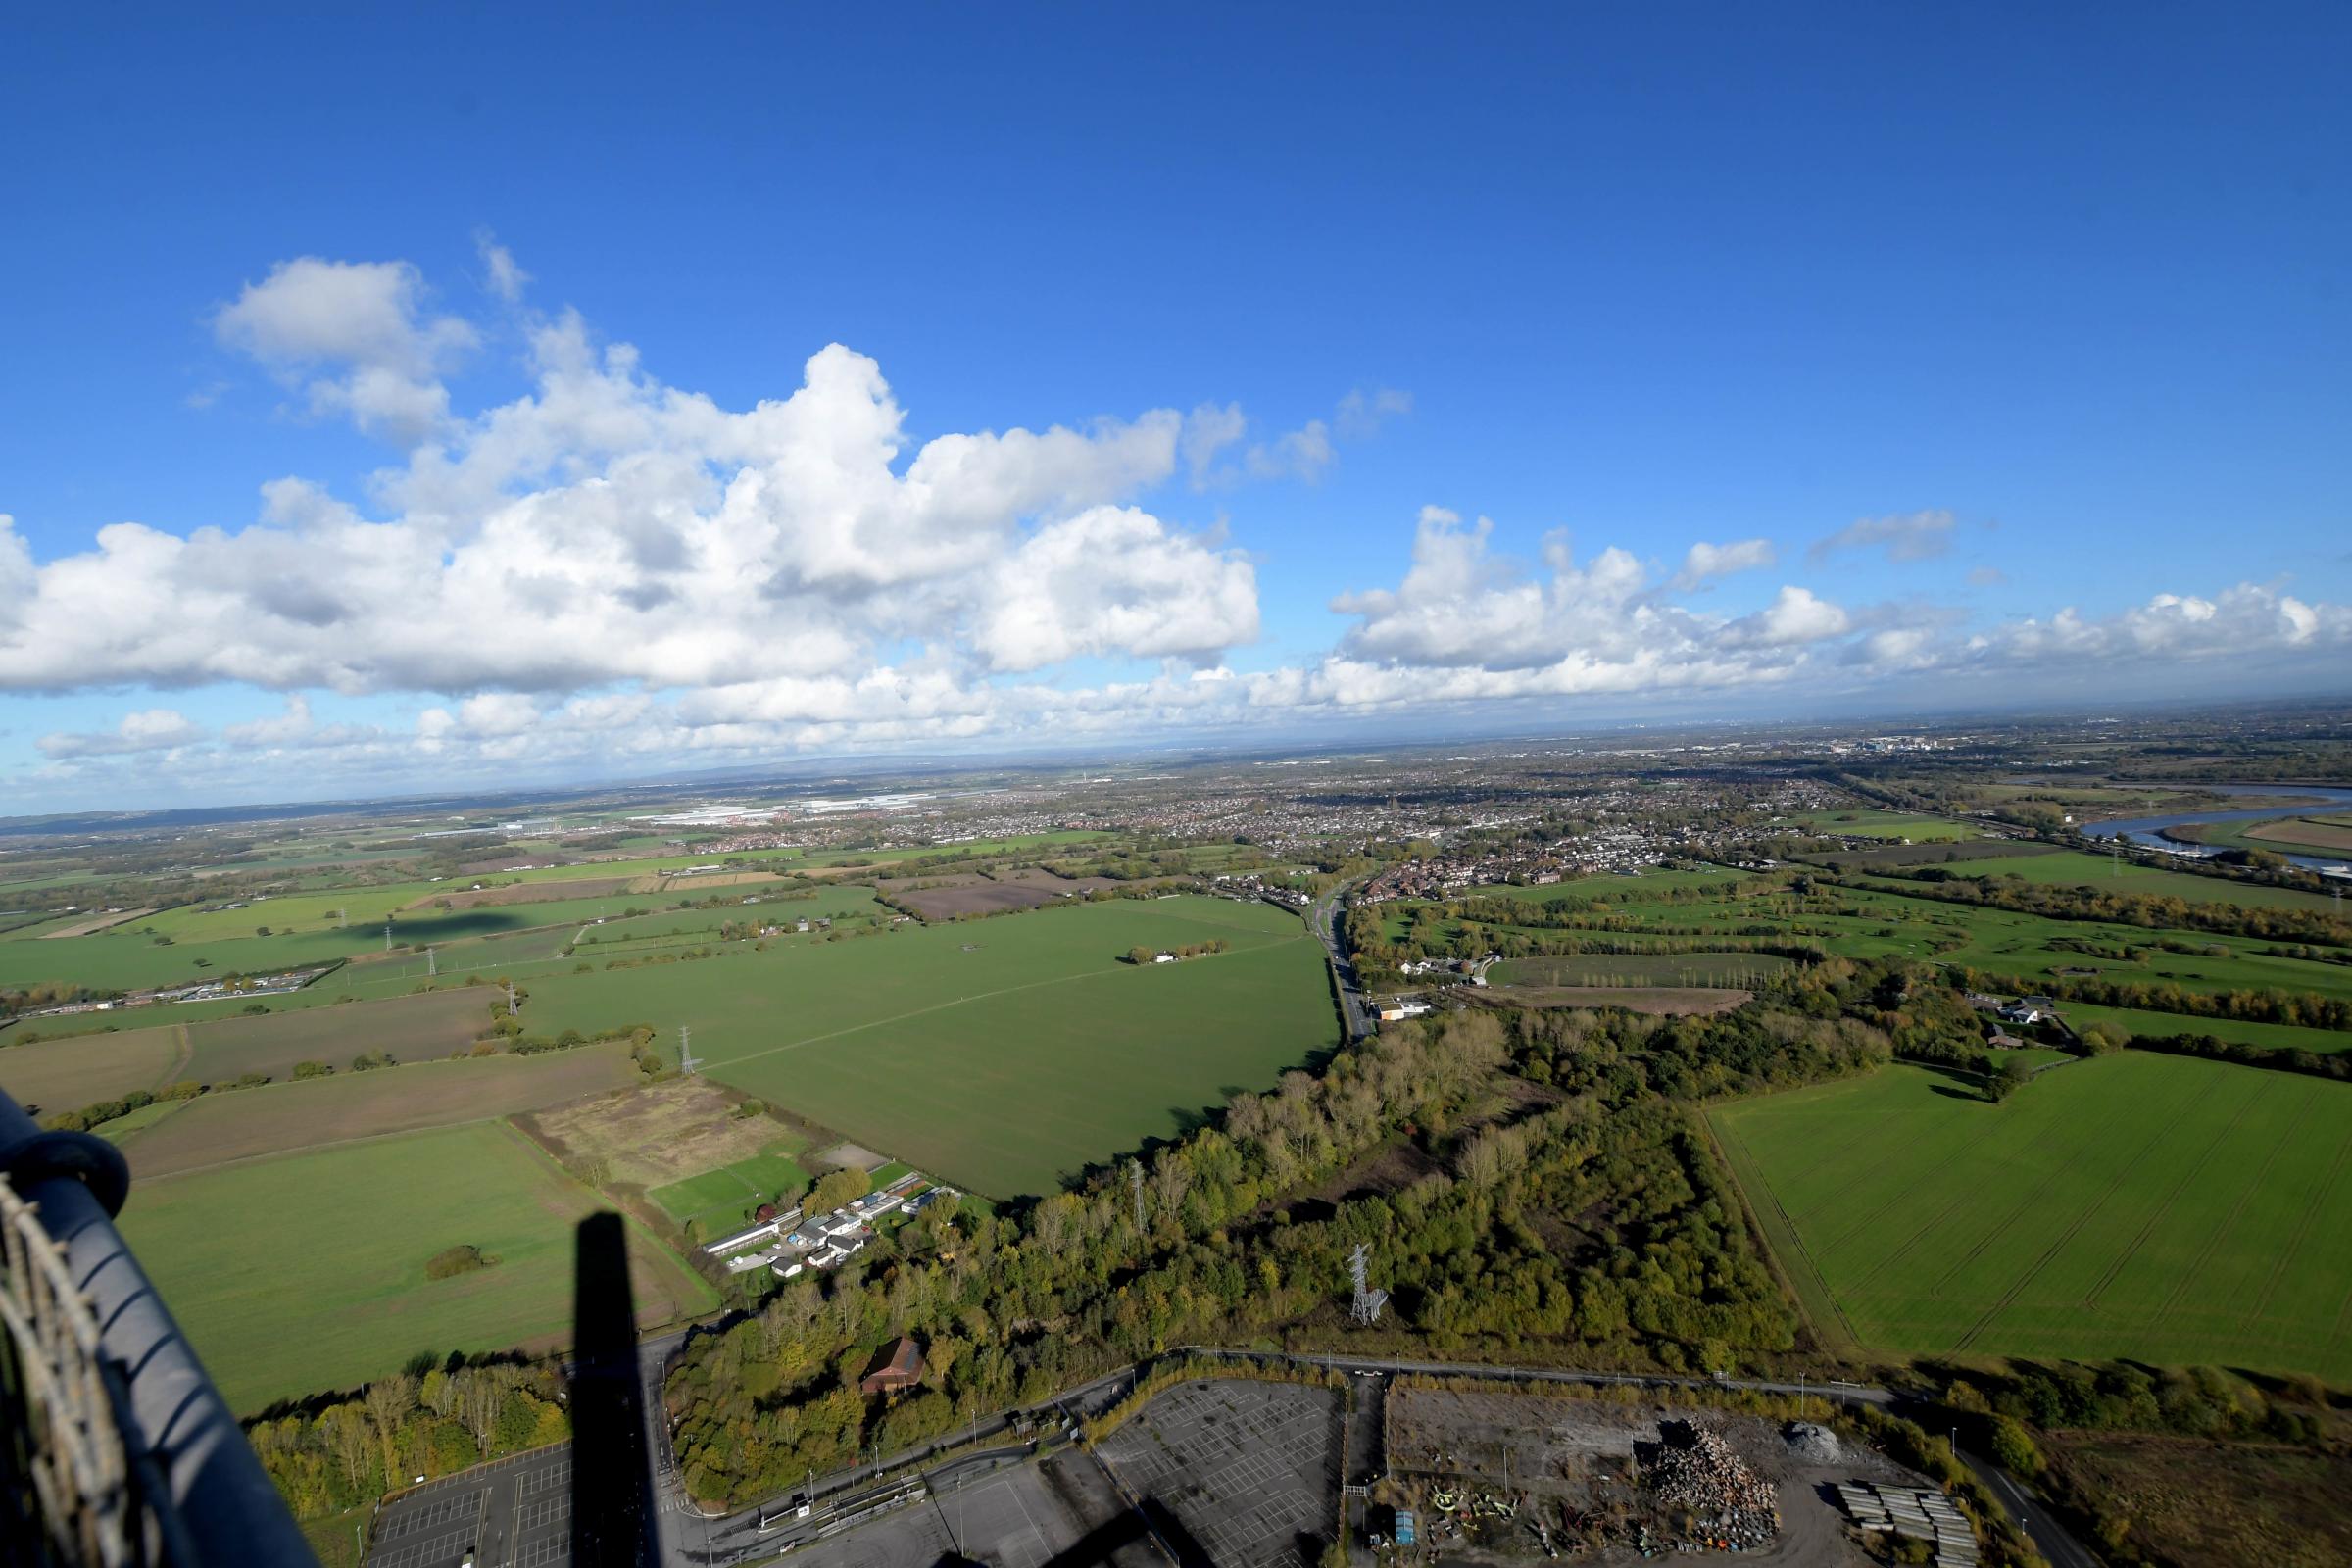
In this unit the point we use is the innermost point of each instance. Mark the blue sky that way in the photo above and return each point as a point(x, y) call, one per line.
point(2054, 307)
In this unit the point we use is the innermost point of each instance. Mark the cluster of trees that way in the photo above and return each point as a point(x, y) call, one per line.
point(339, 1453)
point(1191, 949)
point(2287, 1058)
point(37, 994)
point(2197, 1401)
point(99, 1112)
point(1572, 1208)
point(2305, 1008)
point(2156, 909)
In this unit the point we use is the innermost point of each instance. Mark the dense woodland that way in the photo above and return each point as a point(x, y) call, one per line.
point(337, 1454)
point(1531, 1184)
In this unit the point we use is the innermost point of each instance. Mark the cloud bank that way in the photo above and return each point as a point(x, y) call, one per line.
point(608, 569)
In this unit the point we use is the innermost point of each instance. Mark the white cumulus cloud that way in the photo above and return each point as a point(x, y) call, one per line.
point(151, 729)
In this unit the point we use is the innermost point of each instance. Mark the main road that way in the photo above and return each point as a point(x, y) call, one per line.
point(1356, 1013)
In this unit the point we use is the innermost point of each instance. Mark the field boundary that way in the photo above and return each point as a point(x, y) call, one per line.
point(711, 1299)
point(1818, 1306)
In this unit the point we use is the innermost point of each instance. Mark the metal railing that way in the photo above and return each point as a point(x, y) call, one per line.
point(115, 1450)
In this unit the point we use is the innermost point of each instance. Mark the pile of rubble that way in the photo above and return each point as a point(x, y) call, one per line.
point(1810, 1443)
point(1737, 1508)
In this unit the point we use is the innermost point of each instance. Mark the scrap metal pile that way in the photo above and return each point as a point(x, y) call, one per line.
point(1735, 1508)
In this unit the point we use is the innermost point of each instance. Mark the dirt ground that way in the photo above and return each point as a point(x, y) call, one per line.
point(840, 1155)
point(655, 1135)
point(943, 898)
point(1577, 1464)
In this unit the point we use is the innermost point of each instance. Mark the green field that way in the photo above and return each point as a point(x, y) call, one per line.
point(2101, 874)
point(139, 1121)
point(1002, 1053)
point(1872, 824)
point(1738, 970)
point(129, 958)
point(724, 1198)
point(2137, 1205)
point(306, 1272)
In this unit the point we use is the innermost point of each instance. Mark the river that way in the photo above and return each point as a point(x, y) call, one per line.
point(2149, 830)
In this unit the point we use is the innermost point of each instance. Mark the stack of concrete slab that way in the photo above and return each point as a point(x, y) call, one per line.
point(1927, 1516)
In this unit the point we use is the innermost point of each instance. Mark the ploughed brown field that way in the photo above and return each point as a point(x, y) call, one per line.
point(946, 897)
point(2299, 831)
point(248, 1124)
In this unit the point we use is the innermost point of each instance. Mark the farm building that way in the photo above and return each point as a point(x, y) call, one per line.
point(901, 1368)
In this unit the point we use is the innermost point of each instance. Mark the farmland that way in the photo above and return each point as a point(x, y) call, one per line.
point(62, 1074)
point(1002, 1053)
point(306, 1271)
point(2072, 868)
point(67, 1074)
point(253, 1123)
point(2155, 1208)
point(1694, 969)
point(1871, 825)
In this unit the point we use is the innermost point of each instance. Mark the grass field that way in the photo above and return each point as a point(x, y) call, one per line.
point(723, 1199)
point(2137, 1205)
point(1740, 970)
point(306, 1272)
point(1002, 1053)
point(139, 1121)
point(128, 957)
point(1964, 852)
point(2071, 869)
point(1872, 824)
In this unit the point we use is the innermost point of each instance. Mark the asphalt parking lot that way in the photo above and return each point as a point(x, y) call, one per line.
point(516, 1513)
point(1250, 1470)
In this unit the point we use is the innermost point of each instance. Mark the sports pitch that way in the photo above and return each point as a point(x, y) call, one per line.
point(307, 1272)
point(723, 1199)
point(1001, 1055)
point(2153, 1207)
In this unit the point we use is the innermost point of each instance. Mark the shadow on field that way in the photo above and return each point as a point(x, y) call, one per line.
point(611, 1473)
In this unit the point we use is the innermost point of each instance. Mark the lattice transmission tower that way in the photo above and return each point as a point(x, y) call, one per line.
point(1365, 1309)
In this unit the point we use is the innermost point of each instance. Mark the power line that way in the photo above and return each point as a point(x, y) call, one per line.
point(1365, 1309)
